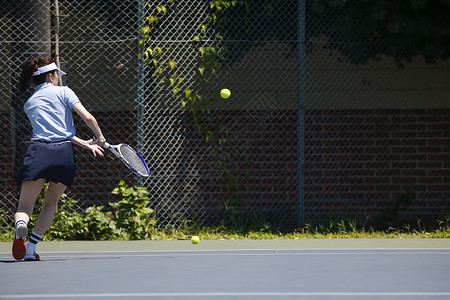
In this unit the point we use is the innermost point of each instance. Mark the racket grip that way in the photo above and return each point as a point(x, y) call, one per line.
point(96, 139)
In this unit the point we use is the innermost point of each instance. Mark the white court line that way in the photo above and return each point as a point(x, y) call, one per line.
point(122, 254)
point(318, 251)
point(247, 253)
point(253, 251)
point(233, 294)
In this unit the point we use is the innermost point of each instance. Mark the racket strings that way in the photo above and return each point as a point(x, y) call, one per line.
point(130, 155)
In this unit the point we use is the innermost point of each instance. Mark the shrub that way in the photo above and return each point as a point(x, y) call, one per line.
point(128, 218)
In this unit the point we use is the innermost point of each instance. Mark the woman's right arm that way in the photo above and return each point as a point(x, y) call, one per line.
point(88, 144)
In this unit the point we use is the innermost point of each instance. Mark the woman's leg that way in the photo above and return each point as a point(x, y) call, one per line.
point(45, 218)
point(49, 207)
point(29, 193)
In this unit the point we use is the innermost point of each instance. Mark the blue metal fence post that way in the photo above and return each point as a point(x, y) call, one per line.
point(300, 111)
point(140, 87)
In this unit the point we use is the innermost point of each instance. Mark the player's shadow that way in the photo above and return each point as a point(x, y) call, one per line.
point(8, 261)
point(11, 261)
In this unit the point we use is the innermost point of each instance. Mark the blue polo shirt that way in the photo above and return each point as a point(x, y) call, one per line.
point(50, 112)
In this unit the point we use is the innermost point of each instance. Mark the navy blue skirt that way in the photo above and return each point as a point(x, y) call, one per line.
point(52, 161)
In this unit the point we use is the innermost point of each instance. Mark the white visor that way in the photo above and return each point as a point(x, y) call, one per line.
point(48, 68)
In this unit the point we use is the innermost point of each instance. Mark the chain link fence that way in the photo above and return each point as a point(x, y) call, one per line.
point(316, 126)
point(96, 43)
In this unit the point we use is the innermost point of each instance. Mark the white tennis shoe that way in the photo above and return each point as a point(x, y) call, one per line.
point(32, 257)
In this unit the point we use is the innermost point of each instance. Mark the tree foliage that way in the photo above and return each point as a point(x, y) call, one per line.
point(358, 30)
point(366, 29)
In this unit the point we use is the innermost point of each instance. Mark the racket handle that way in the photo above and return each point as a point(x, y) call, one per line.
point(106, 143)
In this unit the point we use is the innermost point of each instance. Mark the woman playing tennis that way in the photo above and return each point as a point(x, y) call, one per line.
point(50, 156)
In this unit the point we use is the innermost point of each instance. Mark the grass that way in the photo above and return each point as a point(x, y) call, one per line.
point(339, 229)
point(332, 230)
point(209, 234)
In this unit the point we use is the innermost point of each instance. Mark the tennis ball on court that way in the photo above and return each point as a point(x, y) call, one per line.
point(195, 240)
point(225, 93)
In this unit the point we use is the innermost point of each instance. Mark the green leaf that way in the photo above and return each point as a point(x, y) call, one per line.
point(158, 50)
point(152, 19)
point(147, 210)
point(161, 9)
point(172, 64)
point(145, 29)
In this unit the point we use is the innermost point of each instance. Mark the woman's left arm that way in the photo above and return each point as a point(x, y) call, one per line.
point(90, 121)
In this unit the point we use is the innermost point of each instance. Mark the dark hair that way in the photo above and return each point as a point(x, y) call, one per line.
point(28, 68)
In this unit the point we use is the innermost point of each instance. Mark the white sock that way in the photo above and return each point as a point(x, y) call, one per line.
point(31, 245)
point(21, 229)
point(18, 222)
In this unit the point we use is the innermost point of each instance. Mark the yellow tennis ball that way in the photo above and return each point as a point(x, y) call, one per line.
point(225, 93)
point(195, 240)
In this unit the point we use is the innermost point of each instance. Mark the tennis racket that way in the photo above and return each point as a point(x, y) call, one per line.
point(130, 157)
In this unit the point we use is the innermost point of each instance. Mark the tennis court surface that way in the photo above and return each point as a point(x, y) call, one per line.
point(231, 269)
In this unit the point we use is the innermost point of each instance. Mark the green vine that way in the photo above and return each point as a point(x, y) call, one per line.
point(199, 101)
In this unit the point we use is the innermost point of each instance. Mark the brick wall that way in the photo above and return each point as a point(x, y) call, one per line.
point(357, 162)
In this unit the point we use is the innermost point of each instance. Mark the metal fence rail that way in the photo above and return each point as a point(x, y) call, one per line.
point(315, 127)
